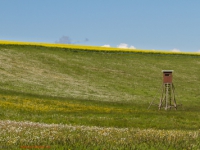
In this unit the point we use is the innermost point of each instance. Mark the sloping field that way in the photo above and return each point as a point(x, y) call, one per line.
point(110, 89)
point(102, 76)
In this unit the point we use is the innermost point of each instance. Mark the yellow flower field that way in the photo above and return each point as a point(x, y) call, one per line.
point(41, 105)
point(95, 48)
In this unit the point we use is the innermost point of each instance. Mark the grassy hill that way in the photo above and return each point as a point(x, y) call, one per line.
point(97, 88)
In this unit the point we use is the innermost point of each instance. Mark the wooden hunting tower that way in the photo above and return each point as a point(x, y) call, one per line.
point(168, 96)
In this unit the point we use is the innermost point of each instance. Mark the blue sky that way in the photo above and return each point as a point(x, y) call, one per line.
point(143, 24)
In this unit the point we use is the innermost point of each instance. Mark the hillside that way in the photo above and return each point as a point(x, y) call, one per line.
point(101, 76)
point(84, 89)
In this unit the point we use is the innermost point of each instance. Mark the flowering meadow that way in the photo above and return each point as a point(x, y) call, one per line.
point(57, 136)
point(84, 131)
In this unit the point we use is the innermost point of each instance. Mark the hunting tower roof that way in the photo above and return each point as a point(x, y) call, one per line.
point(167, 71)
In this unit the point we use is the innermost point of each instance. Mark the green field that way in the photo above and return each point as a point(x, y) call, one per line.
point(72, 99)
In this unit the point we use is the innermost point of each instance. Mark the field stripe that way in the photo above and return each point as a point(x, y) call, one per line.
point(96, 48)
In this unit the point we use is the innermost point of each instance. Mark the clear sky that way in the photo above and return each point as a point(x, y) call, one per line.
point(143, 24)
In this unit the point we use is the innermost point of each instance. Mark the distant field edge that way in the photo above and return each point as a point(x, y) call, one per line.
point(95, 48)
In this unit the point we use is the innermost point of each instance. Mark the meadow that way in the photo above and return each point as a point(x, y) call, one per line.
point(74, 98)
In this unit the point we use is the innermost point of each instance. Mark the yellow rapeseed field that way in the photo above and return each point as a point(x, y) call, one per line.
point(95, 48)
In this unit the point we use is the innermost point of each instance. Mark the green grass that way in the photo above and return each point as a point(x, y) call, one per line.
point(90, 88)
point(95, 113)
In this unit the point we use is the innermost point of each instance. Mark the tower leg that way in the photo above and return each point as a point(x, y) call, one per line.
point(161, 99)
point(167, 96)
point(170, 96)
point(174, 100)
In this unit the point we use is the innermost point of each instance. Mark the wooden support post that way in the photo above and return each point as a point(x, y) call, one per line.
point(174, 100)
point(161, 99)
